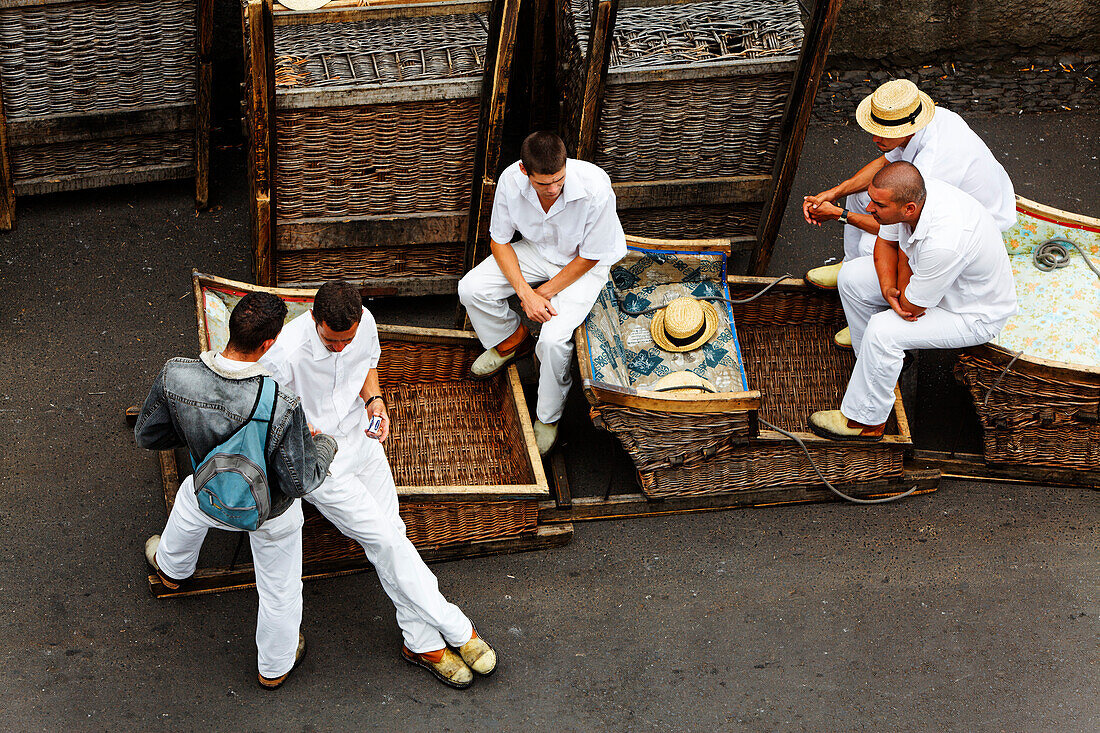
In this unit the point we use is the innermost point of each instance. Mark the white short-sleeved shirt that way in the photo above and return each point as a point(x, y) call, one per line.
point(582, 222)
point(958, 258)
point(947, 149)
point(327, 382)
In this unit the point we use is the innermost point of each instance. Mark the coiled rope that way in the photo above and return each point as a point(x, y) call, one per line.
point(1053, 254)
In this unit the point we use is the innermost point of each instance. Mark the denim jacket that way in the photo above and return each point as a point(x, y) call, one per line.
point(196, 404)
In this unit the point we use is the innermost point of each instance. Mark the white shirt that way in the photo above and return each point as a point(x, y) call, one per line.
point(958, 258)
point(327, 382)
point(946, 148)
point(582, 221)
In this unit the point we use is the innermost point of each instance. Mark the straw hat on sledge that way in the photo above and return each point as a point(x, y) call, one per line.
point(684, 324)
point(895, 109)
point(303, 4)
point(683, 382)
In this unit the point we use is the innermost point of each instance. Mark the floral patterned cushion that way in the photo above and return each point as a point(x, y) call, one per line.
point(1059, 311)
point(621, 349)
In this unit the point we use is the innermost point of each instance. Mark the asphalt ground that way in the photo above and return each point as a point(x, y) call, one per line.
point(974, 608)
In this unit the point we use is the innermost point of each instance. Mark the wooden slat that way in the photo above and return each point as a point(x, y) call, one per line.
point(347, 11)
point(204, 40)
point(714, 70)
point(559, 482)
point(972, 467)
point(792, 131)
point(599, 51)
point(80, 181)
point(261, 129)
point(392, 287)
point(673, 402)
point(217, 580)
point(691, 192)
point(434, 227)
point(7, 187)
point(588, 508)
point(100, 125)
point(395, 93)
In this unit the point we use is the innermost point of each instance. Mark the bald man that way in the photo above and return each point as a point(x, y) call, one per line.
point(946, 283)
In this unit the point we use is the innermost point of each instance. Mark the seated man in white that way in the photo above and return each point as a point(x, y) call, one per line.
point(946, 283)
point(329, 357)
point(906, 125)
point(565, 211)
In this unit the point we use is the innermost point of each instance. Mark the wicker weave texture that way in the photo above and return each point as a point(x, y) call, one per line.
point(107, 155)
point(427, 525)
point(761, 465)
point(363, 263)
point(376, 159)
point(660, 439)
point(319, 55)
point(1033, 419)
point(733, 220)
point(83, 57)
point(411, 362)
point(698, 128)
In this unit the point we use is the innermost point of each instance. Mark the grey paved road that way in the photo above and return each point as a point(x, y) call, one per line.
point(974, 608)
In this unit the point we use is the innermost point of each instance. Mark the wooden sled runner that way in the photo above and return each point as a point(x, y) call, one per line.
point(463, 453)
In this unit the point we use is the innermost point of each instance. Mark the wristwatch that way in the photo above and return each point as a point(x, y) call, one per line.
point(843, 217)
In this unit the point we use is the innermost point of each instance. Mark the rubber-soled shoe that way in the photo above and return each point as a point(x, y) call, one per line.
point(447, 666)
point(833, 425)
point(823, 277)
point(492, 361)
point(843, 339)
point(151, 546)
point(546, 436)
point(274, 683)
point(478, 655)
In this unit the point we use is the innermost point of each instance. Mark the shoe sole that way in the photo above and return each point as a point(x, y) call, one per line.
point(842, 347)
point(819, 286)
point(519, 353)
point(436, 673)
point(280, 681)
point(823, 433)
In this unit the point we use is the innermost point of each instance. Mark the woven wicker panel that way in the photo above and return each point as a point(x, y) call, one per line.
point(1033, 419)
point(731, 220)
point(786, 307)
point(398, 261)
point(107, 155)
point(377, 159)
point(454, 434)
point(318, 55)
point(761, 465)
point(661, 439)
point(83, 57)
point(410, 362)
point(427, 525)
point(697, 128)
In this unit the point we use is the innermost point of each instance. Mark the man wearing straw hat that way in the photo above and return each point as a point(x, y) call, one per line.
point(905, 124)
point(945, 284)
point(564, 211)
point(329, 356)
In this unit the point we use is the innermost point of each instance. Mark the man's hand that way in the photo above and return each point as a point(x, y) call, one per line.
point(537, 306)
point(811, 205)
point(378, 407)
point(312, 430)
point(824, 212)
point(893, 297)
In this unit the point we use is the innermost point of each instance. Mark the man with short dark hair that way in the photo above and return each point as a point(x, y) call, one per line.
point(200, 403)
point(330, 356)
point(564, 210)
point(947, 283)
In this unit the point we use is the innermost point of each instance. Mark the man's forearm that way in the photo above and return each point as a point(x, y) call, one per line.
point(886, 264)
point(568, 275)
point(905, 274)
point(508, 263)
point(371, 386)
point(861, 180)
point(865, 222)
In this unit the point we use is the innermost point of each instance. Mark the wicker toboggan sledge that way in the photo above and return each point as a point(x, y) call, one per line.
point(469, 478)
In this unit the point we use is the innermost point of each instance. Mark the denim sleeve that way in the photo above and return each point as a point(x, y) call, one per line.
point(302, 460)
point(154, 428)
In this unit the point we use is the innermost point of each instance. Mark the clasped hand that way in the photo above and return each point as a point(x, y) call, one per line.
point(537, 305)
point(819, 209)
point(893, 297)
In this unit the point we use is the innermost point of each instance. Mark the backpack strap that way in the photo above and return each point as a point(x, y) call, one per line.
point(263, 410)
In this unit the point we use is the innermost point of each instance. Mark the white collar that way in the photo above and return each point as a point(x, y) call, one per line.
point(254, 369)
point(572, 190)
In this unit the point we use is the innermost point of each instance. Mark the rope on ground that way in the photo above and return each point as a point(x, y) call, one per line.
point(1053, 254)
point(820, 475)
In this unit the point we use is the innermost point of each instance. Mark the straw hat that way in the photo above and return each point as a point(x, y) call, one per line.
point(684, 324)
point(895, 109)
point(683, 382)
point(303, 4)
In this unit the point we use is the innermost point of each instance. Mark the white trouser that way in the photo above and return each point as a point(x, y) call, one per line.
point(276, 557)
point(857, 243)
point(880, 337)
point(484, 291)
point(360, 498)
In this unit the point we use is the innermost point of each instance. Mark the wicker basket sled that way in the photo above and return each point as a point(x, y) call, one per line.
point(469, 478)
point(772, 359)
point(103, 92)
point(372, 130)
point(1042, 412)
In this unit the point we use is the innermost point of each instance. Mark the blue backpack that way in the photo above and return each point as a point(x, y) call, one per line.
point(231, 482)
